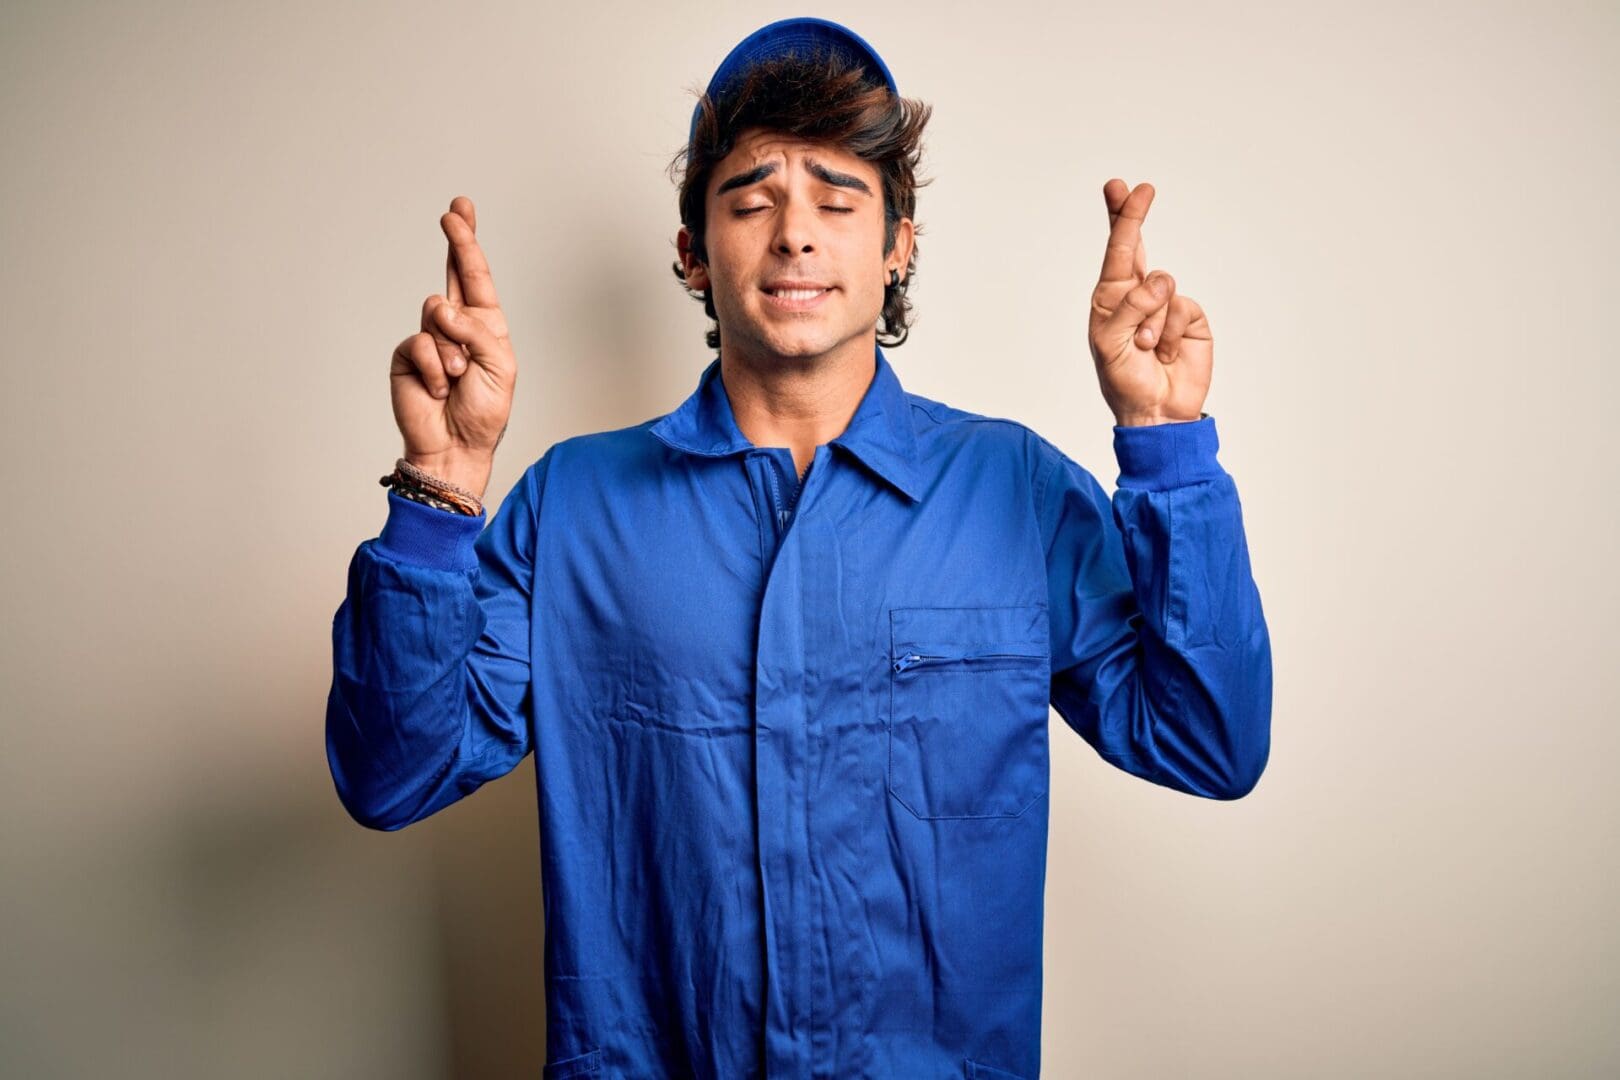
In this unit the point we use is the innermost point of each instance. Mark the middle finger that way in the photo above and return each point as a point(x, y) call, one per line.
point(477, 286)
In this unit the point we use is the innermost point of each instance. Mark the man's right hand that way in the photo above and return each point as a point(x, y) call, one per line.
point(452, 383)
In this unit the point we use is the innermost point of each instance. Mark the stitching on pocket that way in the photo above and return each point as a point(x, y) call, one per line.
point(586, 1064)
point(978, 1070)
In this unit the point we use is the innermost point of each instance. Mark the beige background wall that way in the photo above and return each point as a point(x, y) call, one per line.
point(218, 219)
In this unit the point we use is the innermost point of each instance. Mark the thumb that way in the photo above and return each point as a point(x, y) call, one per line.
point(1137, 307)
point(468, 330)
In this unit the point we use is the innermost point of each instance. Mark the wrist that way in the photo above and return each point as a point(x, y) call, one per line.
point(1139, 420)
point(467, 470)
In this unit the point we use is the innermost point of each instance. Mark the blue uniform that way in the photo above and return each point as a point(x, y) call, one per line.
point(790, 736)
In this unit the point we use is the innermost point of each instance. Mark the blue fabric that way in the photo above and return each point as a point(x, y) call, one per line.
point(802, 35)
point(790, 740)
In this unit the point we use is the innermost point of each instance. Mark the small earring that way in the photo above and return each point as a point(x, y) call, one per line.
point(894, 279)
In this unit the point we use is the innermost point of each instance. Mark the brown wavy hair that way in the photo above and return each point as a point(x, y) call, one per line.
point(822, 97)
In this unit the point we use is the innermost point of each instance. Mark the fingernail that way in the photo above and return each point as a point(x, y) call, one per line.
point(1147, 333)
point(1158, 286)
point(442, 391)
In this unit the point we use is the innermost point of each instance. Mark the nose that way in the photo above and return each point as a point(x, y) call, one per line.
point(793, 229)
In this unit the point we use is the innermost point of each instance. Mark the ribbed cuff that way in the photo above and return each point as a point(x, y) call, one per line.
point(1154, 457)
point(423, 535)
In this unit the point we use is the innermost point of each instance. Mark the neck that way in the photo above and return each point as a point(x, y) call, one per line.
point(800, 402)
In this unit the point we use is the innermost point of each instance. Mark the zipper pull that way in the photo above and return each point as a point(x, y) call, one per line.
point(908, 660)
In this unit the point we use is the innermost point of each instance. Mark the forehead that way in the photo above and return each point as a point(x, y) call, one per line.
point(758, 146)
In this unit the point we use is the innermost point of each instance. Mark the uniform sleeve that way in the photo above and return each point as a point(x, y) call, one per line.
point(430, 657)
point(1161, 659)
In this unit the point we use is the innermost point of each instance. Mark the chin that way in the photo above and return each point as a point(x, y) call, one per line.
point(802, 346)
point(797, 342)
point(791, 337)
point(811, 352)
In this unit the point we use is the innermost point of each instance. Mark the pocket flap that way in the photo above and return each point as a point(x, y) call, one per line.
point(1018, 628)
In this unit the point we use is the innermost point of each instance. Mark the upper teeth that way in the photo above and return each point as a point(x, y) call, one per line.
point(798, 294)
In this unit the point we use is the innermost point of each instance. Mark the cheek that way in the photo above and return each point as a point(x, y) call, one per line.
point(864, 257)
point(725, 260)
point(869, 282)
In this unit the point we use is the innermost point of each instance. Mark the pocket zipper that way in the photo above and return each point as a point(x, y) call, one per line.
point(911, 660)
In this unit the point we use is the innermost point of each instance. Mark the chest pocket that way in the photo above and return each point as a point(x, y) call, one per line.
point(969, 691)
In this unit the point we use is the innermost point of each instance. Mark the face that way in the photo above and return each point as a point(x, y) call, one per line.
point(795, 245)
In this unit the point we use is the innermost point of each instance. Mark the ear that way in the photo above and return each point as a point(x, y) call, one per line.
point(899, 256)
point(697, 274)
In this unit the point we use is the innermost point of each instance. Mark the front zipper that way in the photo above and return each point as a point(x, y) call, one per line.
point(776, 496)
point(783, 513)
point(911, 660)
point(798, 486)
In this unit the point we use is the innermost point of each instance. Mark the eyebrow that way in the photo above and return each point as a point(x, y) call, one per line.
point(816, 169)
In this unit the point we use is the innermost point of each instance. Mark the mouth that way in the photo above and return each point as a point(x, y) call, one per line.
point(797, 296)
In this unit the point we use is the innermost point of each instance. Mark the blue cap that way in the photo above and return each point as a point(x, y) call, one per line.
point(777, 38)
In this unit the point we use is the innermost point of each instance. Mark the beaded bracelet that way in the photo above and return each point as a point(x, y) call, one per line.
point(412, 483)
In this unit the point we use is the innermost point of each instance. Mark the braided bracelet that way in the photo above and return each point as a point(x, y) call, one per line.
point(412, 483)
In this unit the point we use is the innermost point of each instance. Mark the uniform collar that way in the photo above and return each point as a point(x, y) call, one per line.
point(879, 434)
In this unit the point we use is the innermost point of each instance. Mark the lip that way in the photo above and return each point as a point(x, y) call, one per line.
point(782, 303)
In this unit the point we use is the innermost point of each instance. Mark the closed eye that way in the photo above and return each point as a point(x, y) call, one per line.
point(744, 211)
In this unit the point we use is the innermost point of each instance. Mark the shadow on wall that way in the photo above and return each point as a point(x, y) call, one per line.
point(490, 925)
point(313, 946)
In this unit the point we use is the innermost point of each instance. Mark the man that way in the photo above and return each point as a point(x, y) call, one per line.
point(785, 655)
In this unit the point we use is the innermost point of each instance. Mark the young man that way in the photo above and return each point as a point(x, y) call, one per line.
point(785, 655)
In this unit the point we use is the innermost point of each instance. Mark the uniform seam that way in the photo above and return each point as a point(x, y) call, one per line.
point(1042, 485)
point(973, 418)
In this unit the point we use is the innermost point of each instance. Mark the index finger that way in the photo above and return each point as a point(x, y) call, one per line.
point(1125, 235)
point(477, 286)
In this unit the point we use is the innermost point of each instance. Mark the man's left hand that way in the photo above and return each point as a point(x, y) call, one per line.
point(1153, 347)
